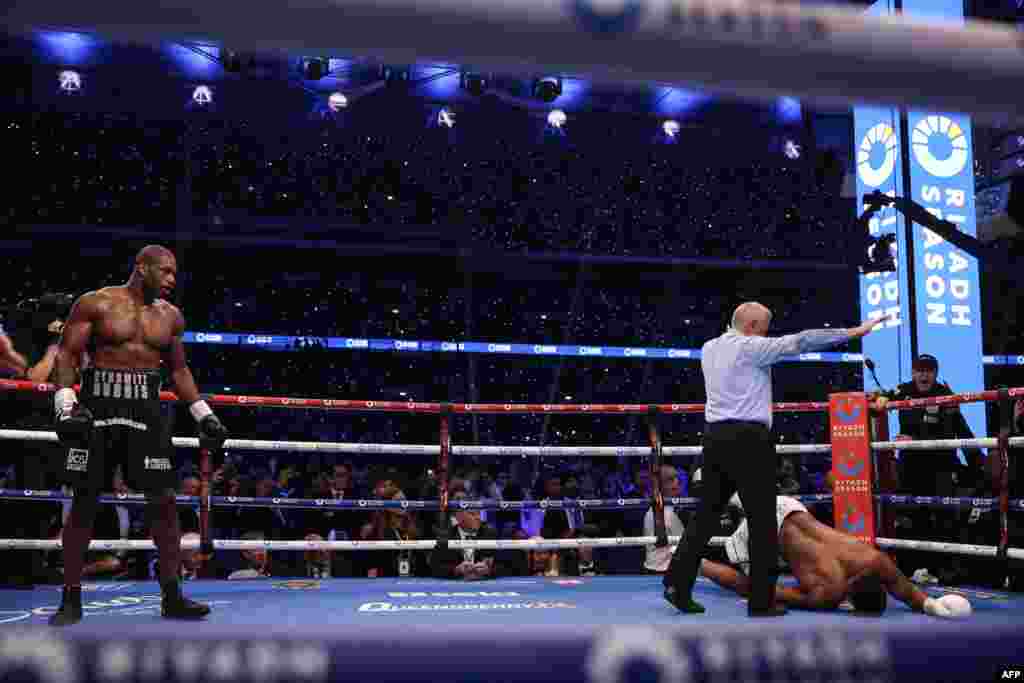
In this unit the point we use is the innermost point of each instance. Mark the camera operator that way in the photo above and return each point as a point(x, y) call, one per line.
point(36, 327)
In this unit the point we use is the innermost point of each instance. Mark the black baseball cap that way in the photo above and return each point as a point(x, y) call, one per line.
point(926, 361)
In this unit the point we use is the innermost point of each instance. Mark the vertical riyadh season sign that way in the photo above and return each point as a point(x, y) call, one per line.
point(877, 159)
point(947, 283)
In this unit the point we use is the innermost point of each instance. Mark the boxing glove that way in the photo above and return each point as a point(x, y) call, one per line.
point(950, 606)
point(73, 420)
point(212, 431)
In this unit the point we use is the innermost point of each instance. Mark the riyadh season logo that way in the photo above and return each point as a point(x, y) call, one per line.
point(940, 134)
point(879, 140)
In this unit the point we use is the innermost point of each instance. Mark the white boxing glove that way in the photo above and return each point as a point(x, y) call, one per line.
point(950, 606)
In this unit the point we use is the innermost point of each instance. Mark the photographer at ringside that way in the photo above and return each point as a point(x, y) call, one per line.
point(35, 328)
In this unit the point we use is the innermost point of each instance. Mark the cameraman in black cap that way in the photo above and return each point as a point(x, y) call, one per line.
point(935, 472)
point(36, 327)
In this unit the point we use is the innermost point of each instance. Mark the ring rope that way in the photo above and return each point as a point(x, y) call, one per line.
point(520, 408)
point(553, 451)
point(491, 504)
point(526, 544)
point(362, 504)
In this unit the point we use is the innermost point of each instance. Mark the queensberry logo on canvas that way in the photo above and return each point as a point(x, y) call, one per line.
point(608, 17)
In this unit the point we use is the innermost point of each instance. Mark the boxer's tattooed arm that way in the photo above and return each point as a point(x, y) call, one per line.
point(74, 339)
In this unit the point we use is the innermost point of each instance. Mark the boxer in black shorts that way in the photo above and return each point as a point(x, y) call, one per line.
point(129, 331)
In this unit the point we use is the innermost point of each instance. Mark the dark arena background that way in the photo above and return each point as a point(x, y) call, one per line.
point(451, 315)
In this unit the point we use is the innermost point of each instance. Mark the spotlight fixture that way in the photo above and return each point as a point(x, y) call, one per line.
point(670, 128)
point(394, 75)
point(791, 149)
point(232, 62)
point(547, 89)
point(557, 118)
point(314, 69)
point(336, 102)
point(69, 82)
point(202, 95)
point(474, 83)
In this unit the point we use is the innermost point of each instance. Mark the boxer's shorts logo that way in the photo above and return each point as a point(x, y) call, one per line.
point(608, 17)
point(78, 460)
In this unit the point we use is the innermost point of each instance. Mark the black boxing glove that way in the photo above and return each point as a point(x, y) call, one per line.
point(74, 421)
point(212, 432)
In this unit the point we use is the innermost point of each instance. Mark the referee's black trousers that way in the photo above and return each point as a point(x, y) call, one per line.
point(738, 456)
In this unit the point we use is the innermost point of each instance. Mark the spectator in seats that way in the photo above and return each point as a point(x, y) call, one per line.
point(657, 559)
point(256, 564)
point(188, 515)
point(788, 484)
point(466, 564)
point(543, 562)
point(508, 521)
point(269, 521)
point(633, 518)
point(392, 525)
point(341, 482)
point(561, 523)
point(325, 564)
point(114, 522)
point(194, 565)
point(333, 525)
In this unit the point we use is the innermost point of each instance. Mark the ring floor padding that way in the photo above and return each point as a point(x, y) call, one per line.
point(601, 629)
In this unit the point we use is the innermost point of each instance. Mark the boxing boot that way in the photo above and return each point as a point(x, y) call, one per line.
point(176, 606)
point(70, 611)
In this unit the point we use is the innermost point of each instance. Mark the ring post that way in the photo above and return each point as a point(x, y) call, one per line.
point(885, 470)
point(1000, 470)
point(442, 476)
point(654, 468)
point(205, 543)
point(852, 495)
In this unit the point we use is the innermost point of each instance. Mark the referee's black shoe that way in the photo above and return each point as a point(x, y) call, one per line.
point(683, 603)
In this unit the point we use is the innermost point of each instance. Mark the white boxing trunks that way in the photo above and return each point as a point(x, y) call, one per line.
point(737, 546)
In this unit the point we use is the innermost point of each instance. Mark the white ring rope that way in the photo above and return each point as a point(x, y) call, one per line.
point(952, 548)
point(942, 444)
point(528, 544)
point(553, 451)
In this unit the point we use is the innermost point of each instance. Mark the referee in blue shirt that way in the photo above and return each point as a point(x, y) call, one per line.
point(739, 451)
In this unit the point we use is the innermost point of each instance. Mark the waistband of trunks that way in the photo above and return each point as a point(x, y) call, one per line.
point(122, 384)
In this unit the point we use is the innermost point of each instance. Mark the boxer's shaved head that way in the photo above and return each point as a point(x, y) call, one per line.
point(751, 318)
point(156, 272)
point(153, 254)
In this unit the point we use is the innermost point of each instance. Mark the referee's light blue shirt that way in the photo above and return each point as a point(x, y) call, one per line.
point(738, 371)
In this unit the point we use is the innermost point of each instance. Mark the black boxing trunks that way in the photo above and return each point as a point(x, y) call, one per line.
point(129, 429)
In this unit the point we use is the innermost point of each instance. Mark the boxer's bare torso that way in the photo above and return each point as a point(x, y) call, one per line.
point(820, 555)
point(125, 333)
